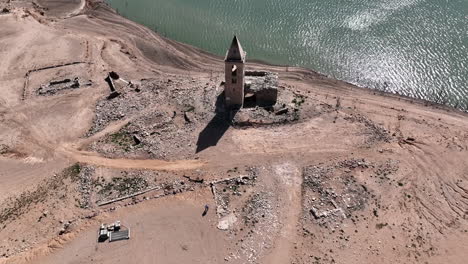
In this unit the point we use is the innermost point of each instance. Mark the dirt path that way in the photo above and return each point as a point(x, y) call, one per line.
point(95, 159)
point(289, 175)
point(111, 128)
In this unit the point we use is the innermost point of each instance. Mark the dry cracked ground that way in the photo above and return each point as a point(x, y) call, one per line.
point(346, 175)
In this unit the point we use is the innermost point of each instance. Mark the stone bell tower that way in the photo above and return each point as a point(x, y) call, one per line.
point(234, 73)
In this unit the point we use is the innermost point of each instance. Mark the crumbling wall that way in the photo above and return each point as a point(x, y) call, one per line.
point(263, 87)
point(266, 97)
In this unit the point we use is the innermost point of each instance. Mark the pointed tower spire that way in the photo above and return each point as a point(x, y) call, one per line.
point(235, 52)
point(234, 73)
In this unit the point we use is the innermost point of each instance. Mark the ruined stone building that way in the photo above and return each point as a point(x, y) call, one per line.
point(247, 88)
point(234, 74)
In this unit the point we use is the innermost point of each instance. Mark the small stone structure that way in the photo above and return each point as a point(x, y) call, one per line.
point(261, 89)
point(234, 74)
point(247, 89)
point(56, 86)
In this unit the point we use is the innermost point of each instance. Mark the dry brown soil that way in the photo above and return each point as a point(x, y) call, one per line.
point(386, 175)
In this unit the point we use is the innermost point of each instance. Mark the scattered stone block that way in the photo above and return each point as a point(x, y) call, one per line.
point(281, 111)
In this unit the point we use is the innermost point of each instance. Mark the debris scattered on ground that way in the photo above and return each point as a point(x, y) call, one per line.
point(331, 193)
point(177, 123)
point(224, 189)
point(84, 179)
point(281, 111)
point(66, 228)
point(56, 86)
point(375, 132)
point(4, 149)
point(128, 183)
point(197, 180)
point(257, 207)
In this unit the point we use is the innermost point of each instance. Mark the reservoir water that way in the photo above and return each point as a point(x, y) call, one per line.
point(417, 48)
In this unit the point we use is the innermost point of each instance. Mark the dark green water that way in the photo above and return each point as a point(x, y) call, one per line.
point(412, 47)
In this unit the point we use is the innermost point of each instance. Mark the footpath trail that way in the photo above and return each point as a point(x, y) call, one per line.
point(289, 175)
point(137, 164)
point(149, 164)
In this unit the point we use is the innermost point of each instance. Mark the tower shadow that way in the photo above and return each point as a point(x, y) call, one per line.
point(216, 128)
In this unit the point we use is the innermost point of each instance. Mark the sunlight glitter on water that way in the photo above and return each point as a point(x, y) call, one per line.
point(414, 47)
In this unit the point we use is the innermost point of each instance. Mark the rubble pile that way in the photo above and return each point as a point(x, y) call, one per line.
point(260, 223)
point(290, 107)
point(135, 186)
point(120, 107)
point(331, 193)
point(286, 110)
point(179, 116)
point(257, 208)
point(386, 169)
point(166, 118)
point(164, 134)
point(5, 7)
point(84, 187)
point(229, 189)
point(375, 132)
point(177, 94)
point(4, 149)
point(128, 183)
point(176, 187)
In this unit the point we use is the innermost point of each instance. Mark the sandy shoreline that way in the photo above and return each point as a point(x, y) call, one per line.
point(409, 155)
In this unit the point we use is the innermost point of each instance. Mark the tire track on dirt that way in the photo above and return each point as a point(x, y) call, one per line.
point(438, 198)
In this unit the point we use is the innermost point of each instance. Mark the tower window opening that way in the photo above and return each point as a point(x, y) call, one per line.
point(234, 70)
point(234, 74)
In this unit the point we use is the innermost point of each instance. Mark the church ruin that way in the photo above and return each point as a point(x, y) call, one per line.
point(247, 88)
point(234, 74)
